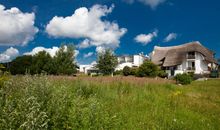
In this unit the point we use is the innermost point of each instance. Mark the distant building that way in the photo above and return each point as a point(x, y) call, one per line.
point(190, 57)
point(130, 61)
point(88, 69)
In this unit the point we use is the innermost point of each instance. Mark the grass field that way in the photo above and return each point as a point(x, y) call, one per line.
point(41, 102)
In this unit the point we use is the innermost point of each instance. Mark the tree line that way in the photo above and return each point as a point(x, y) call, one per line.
point(61, 64)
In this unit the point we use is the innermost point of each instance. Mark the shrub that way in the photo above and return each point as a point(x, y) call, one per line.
point(126, 71)
point(107, 62)
point(118, 72)
point(147, 69)
point(183, 78)
point(162, 74)
point(134, 71)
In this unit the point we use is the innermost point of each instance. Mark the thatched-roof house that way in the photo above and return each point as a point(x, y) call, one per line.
point(189, 57)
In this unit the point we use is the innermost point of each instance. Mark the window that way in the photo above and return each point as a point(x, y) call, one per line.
point(191, 55)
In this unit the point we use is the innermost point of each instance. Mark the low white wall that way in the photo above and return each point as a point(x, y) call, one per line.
point(121, 66)
point(178, 72)
point(168, 72)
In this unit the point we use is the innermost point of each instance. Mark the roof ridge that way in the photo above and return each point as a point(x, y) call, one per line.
point(177, 46)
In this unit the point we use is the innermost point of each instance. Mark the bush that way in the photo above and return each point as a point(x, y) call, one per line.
point(134, 71)
point(147, 69)
point(183, 78)
point(162, 74)
point(118, 72)
point(126, 71)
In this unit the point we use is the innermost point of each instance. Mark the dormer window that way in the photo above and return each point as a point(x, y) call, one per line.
point(191, 55)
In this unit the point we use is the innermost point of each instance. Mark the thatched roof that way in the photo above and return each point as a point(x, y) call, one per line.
point(174, 55)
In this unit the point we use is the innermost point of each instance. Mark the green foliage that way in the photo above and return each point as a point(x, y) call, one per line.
point(21, 65)
point(126, 71)
point(64, 60)
point(107, 62)
point(162, 74)
point(39, 102)
point(183, 78)
point(3, 76)
point(118, 72)
point(134, 71)
point(42, 62)
point(148, 69)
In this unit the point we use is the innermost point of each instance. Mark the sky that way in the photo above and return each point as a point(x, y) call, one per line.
point(126, 26)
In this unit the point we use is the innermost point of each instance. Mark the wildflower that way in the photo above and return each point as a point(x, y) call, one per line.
point(177, 93)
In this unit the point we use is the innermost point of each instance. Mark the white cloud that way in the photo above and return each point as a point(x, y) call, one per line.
point(16, 27)
point(52, 51)
point(84, 44)
point(152, 3)
point(146, 38)
point(88, 54)
point(76, 53)
point(170, 37)
point(8, 55)
point(100, 49)
point(94, 63)
point(89, 24)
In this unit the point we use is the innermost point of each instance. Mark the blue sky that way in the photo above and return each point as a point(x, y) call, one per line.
point(130, 26)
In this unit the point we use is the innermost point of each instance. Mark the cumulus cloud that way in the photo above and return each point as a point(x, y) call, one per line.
point(8, 55)
point(76, 53)
point(52, 51)
point(88, 54)
point(16, 27)
point(89, 24)
point(84, 44)
point(100, 49)
point(146, 38)
point(152, 3)
point(170, 37)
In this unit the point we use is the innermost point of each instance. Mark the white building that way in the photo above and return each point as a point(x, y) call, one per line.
point(87, 69)
point(130, 61)
point(190, 57)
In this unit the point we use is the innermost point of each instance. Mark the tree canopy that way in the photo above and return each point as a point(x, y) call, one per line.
point(61, 64)
point(148, 69)
point(107, 62)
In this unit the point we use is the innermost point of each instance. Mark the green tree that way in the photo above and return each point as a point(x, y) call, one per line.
point(42, 62)
point(126, 71)
point(148, 69)
point(64, 60)
point(21, 65)
point(107, 62)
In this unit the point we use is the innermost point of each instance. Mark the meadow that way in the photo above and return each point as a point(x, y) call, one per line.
point(129, 103)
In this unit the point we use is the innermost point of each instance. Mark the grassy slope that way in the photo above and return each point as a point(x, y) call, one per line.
point(105, 103)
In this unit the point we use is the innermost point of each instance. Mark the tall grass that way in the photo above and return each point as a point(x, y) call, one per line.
point(36, 102)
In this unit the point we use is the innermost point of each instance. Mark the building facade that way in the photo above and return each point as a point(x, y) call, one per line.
point(189, 57)
point(130, 61)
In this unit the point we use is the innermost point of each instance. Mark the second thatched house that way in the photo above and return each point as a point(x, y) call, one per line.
point(189, 57)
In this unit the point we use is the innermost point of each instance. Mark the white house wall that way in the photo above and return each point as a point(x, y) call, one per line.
point(134, 61)
point(85, 68)
point(138, 60)
point(200, 65)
